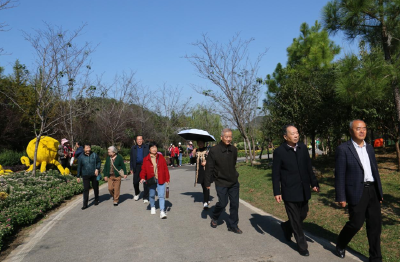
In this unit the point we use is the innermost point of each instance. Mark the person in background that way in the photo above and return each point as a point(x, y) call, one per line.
point(88, 168)
point(78, 150)
point(138, 152)
point(201, 161)
point(221, 167)
point(190, 151)
point(114, 163)
point(292, 180)
point(65, 153)
point(180, 153)
point(357, 182)
point(174, 155)
point(171, 159)
point(154, 165)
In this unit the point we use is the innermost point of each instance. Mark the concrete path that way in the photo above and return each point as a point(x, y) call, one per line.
point(129, 233)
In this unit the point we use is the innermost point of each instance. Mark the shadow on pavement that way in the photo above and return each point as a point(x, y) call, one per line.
point(197, 196)
point(125, 197)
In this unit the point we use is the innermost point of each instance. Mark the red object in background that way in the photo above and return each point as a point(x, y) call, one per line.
point(378, 142)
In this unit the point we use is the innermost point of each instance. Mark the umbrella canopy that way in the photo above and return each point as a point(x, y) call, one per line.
point(196, 134)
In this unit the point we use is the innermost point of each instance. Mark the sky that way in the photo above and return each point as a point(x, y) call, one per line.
point(152, 37)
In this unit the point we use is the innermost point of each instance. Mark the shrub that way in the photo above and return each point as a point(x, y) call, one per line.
point(10, 158)
point(26, 198)
point(101, 152)
point(125, 152)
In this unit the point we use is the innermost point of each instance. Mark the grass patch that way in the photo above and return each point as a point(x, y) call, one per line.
point(325, 218)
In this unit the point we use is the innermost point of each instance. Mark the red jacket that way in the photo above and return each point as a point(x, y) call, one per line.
point(174, 151)
point(148, 169)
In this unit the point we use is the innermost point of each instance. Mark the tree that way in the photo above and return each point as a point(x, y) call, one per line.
point(298, 93)
point(377, 22)
point(49, 81)
point(202, 117)
point(237, 88)
point(171, 111)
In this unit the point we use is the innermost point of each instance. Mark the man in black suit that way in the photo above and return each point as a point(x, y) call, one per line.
point(138, 152)
point(357, 182)
point(292, 178)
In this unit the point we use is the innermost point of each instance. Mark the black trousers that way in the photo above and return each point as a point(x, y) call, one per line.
point(297, 212)
point(369, 210)
point(224, 194)
point(136, 183)
point(86, 187)
point(206, 193)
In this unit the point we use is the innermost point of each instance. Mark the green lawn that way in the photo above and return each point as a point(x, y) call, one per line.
point(326, 218)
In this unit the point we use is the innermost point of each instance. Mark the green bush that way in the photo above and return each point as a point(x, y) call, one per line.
point(125, 153)
point(10, 158)
point(30, 197)
point(101, 152)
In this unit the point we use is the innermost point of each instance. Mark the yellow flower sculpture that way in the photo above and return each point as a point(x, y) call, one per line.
point(4, 172)
point(3, 195)
point(47, 154)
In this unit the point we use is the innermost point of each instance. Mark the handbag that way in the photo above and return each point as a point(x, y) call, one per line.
point(120, 172)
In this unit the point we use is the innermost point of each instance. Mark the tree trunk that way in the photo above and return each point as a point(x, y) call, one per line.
point(397, 102)
point(35, 153)
point(262, 150)
point(245, 149)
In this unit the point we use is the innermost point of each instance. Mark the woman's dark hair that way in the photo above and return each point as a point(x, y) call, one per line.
point(151, 144)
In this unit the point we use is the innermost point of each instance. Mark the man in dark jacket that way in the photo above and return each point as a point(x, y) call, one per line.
point(220, 166)
point(292, 178)
point(88, 168)
point(138, 152)
point(357, 182)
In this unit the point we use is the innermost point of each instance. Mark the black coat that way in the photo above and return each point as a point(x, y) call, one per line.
point(221, 166)
point(292, 174)
point(134, 155)
point(349, 173)
point(202, 171)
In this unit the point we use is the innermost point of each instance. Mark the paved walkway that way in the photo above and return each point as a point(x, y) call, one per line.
point(129, 233)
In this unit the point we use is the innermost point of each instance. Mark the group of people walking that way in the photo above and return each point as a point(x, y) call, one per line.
point(357, 182)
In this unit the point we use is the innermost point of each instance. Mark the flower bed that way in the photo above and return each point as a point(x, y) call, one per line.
point(26, 198)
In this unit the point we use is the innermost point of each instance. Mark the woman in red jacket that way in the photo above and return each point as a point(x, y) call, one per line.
point(155, 166)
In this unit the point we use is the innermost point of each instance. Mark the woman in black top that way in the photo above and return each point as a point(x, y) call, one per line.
point(201, 157)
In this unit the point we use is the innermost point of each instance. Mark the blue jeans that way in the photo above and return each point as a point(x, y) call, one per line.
point(161, 195)
point(180, 159)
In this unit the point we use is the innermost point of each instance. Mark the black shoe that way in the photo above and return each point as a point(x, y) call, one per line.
point(84, 207)
point(115, 204)
point(304, 253)
point(235, 230)
point(214, 223)
point(96, 202)
point(286, 233)
point(340, 252)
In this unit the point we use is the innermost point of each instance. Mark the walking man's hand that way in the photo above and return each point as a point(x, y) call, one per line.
point(78, 180)
point(105, 178)
point(96, 172)
point(278, 198)
point(342, 203)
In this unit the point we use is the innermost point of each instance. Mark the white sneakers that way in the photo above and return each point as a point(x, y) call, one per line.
point(153, 210)
point(163, 215)
point(145, 201)
point(205, 205)
point(136, 198)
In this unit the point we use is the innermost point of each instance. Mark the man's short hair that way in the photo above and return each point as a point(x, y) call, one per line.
point(352, 121)
point(87, 144)
point(225, 130)
point(285, 127)
point(79, 143)
point(138, 136)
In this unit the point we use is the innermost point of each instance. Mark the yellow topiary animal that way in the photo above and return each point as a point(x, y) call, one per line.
point(5, 171)
point(47, 154)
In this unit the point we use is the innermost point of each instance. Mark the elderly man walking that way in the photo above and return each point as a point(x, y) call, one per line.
point(88, 168)
point(221, 166)
point(357, 182)
point(138, 153)
point(292, 178)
